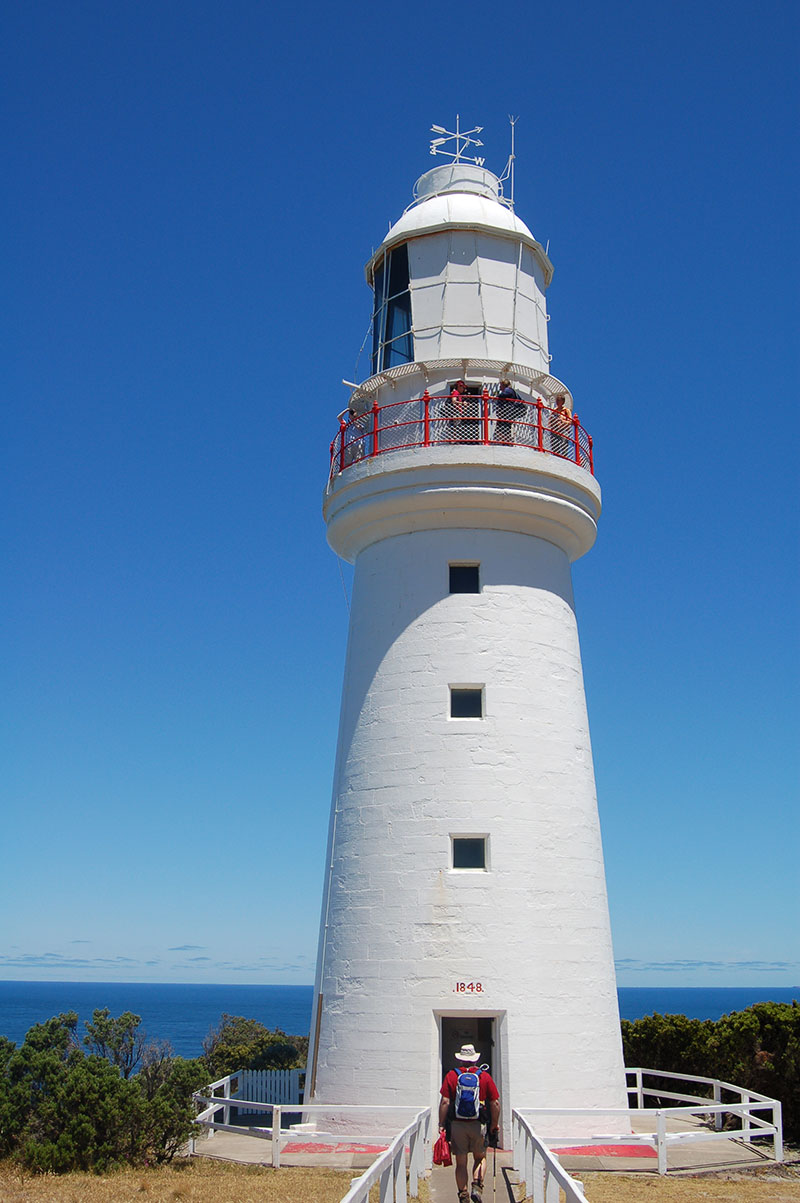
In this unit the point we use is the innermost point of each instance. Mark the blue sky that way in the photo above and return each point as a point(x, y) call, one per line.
point(193, 192)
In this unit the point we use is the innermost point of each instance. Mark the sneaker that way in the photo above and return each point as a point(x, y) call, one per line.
point(477, 1192)
point(463, 1196)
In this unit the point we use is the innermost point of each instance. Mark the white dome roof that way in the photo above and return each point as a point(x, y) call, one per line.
point(459, 210)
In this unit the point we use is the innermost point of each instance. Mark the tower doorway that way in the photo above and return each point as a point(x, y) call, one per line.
point(478, 1030)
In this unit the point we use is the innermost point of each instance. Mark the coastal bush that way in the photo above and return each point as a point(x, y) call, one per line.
point(239, 1043)
point(758, 1048)
point(63, 1109)
point(118, 1040)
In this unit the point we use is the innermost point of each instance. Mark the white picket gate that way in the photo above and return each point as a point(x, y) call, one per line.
point(283, 1086)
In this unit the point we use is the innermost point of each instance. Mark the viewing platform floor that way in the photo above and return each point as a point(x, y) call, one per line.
point(692, 1157)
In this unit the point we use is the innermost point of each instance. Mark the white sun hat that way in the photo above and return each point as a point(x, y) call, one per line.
point(468, 1053)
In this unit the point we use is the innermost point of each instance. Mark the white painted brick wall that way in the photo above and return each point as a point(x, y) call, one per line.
point(402, 928)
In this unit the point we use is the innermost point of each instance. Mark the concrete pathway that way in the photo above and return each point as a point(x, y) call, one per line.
point(496, 1188)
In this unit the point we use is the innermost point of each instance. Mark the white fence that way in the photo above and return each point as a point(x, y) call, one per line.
point(389, 1169)
point(283, 1086)
point(755, 1118)
point(542, 1174)
point(748, 1110)
point(246, 1086)
point(390, 1166)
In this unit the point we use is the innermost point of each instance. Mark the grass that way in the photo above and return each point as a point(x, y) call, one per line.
point(195, 1181)
point(772, 1185)
point(204, 1181)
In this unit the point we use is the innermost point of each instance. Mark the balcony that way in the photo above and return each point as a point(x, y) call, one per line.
point(452, 419)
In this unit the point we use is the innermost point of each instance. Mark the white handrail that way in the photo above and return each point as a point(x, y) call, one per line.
point(753, 1126)
point(390, 1167)
point(716, 1082)
point(538, 1168)
point(280, 1137)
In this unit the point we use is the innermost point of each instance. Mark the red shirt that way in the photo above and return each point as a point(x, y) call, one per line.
point(488, 1091)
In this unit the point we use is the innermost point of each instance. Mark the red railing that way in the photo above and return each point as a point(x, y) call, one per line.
point(451, 418)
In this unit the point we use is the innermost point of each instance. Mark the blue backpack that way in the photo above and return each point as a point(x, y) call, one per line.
point(468, 1092)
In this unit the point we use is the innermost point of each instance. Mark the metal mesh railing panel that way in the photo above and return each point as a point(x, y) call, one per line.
point(461, 419)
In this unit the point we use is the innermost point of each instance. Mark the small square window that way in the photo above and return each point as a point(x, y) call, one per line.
point(465, 578)
point(469, 852)
point(466, 702)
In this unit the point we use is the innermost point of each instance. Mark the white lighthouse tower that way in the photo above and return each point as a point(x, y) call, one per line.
point(465, 896)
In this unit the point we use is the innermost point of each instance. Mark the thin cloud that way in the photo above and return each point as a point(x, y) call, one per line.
point(631, 965)
point(50, 960)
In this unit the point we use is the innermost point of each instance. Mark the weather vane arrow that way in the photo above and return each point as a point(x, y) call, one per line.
point(462, 139)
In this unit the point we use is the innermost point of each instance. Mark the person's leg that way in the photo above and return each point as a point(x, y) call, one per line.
point(461, 1171)
point(478, 1151)
point(478, 1171)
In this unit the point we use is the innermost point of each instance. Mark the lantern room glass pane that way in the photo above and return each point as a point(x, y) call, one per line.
point(392, 342)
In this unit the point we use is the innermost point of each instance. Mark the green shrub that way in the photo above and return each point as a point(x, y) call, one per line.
point(61, 1109)
point(240, 1043)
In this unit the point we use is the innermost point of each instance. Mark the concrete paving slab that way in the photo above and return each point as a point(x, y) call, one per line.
point(443, 1181)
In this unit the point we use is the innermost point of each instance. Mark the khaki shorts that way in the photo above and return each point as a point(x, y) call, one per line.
point(466, 1136)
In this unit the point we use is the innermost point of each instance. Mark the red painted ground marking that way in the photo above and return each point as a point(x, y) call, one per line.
point(607, 1151)
point(346, 1147)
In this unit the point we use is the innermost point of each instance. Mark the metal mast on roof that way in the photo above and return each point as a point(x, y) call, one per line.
point(508, 172)
point(462, 140)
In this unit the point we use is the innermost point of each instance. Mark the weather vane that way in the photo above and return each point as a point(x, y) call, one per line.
point(462, 141)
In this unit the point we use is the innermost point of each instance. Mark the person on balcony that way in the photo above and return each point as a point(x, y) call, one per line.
point(356, 433)
point(559, 421)
point(466, 414)
point(510, 409)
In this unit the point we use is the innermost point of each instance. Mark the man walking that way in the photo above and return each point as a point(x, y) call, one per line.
point(466, 1091)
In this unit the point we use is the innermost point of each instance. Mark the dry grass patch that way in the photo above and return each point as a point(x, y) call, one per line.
point(773, 1185)
point(195, 1181)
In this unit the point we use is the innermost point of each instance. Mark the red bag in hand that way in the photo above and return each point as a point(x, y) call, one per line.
point(441, 1151)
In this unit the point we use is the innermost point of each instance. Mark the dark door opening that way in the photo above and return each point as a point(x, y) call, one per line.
point(477, 1030)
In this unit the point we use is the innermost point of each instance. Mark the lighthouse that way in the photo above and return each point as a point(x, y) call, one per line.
point(465, 897)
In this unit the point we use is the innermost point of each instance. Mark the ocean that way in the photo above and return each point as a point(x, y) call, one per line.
point(184, 1014)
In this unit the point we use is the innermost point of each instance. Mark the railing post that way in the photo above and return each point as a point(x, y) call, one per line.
point(591, 453)
point(374, 427)
point(400, 1193)
point(342, 429)
point(639, 1090)
point(485, 414)
point(661, 1141)
point(539, 432)
point(426, 419)
point(276, 1137)
point(718, 1099)
point(413, 1161)
point(575, 428)
point(747, 1127)
point(226, 1094)
point(777, 1140)
point(538, 1178)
